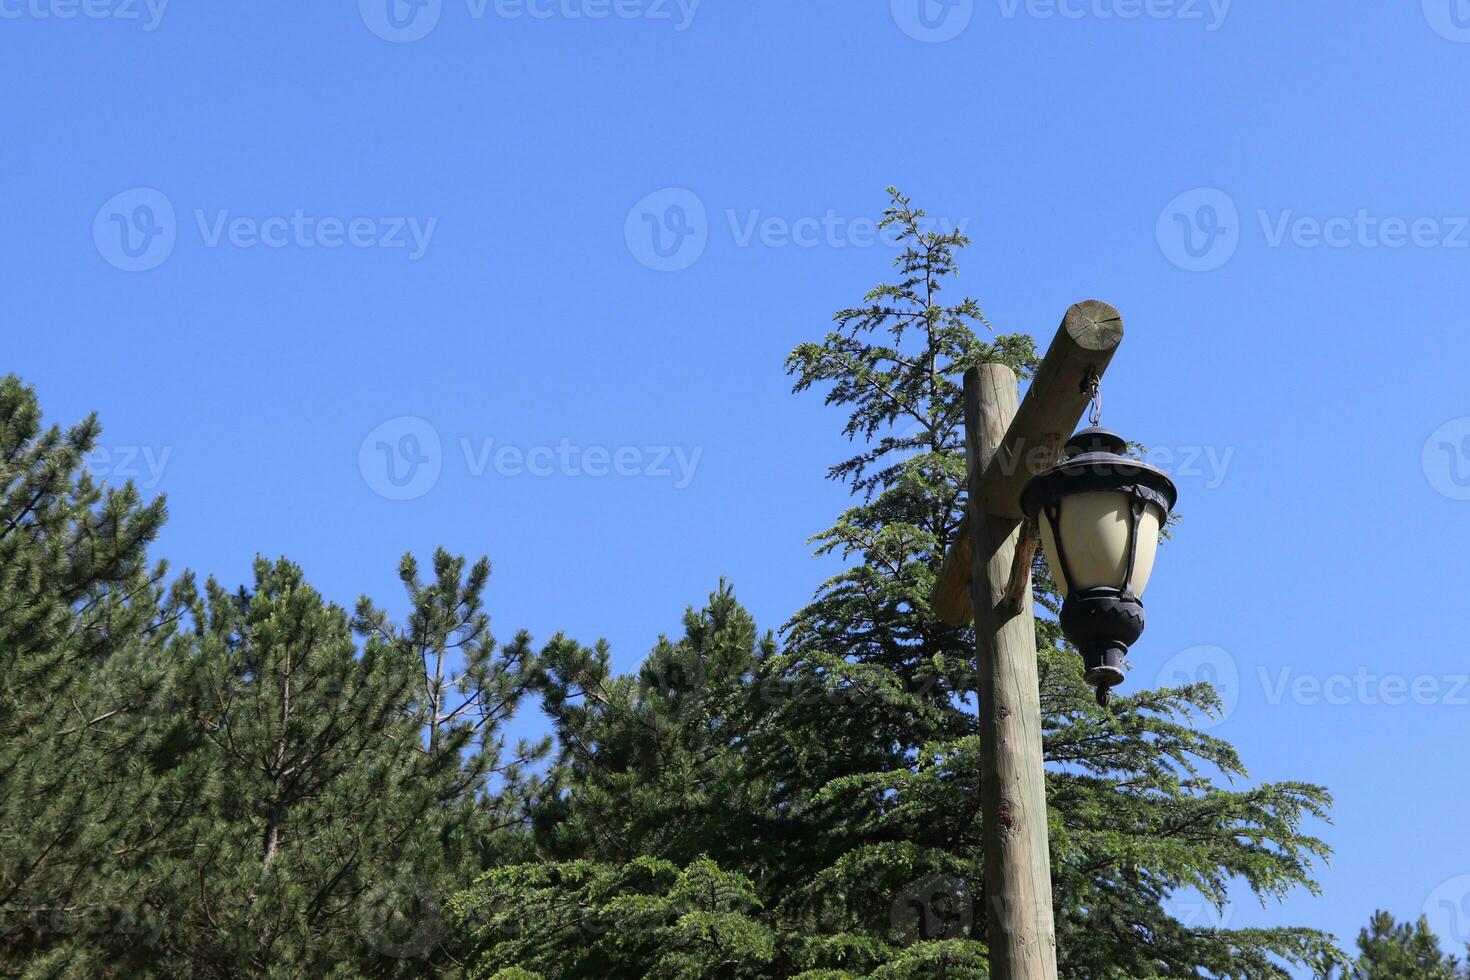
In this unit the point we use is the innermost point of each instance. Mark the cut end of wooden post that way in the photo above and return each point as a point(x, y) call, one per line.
point(1094, 325)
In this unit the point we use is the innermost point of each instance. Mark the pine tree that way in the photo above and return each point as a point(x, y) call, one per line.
point(295, 729)
point(87, 776)
point(647, 763)
point(239, 783)
point(1401, 951)
point(470, 685)
point(646, 803)
point(345, 800)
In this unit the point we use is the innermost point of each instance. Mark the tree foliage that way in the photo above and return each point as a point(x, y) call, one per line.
point(236, 782)
point(1390, 950)
point(84, 619)
point(217, 783)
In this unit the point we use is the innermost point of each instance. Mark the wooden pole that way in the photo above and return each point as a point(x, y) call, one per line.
point(1019, 926)
point(986, 577)
point(1084, 346)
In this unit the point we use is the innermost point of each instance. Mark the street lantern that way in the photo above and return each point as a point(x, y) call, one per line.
point(1100, 514)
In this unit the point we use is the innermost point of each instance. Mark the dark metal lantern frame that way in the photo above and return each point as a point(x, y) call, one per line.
point(1102, 622)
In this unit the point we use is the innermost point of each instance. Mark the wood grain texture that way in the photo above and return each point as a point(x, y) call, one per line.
point(1019, 925)
point(1084, 344)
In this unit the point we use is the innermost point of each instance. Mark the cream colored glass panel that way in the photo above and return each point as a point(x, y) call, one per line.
point(1095, 529)
point(1049, 546)
point(1148, 547)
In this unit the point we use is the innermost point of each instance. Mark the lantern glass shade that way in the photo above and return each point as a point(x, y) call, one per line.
point(1095, 529)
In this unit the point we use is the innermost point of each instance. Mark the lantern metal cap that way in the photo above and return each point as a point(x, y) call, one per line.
point(1095, 462)
point(1095, 439)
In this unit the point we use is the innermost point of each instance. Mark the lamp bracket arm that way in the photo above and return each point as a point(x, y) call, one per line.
point(1019, 584)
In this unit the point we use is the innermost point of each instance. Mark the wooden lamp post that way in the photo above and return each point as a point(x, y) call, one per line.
point(986, 578)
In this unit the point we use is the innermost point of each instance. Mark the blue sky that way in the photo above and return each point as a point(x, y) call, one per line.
point(280, 245)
